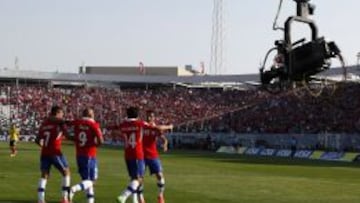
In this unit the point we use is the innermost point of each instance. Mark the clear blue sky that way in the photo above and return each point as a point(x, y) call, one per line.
point(51, 35)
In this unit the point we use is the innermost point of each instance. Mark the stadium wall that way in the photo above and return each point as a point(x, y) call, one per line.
point(135, 79)
point(287, 153)
point(337, 142)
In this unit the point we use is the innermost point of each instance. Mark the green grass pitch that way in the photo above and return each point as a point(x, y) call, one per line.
point(191, 177)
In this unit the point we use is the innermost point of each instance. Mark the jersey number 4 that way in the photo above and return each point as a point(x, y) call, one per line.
point(131, 140)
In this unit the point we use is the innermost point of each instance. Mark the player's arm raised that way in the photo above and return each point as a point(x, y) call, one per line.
point(162, 136)
point(98, 135)
point(165, 127)
point(164, 142)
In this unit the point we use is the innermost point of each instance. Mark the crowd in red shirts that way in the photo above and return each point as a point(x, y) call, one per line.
point(333, 111)
point(189, 109)
point(30, 104)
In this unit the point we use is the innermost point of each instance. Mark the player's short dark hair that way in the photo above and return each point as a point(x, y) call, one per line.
point(132, 112)
point(86, 112)
point(55, 110)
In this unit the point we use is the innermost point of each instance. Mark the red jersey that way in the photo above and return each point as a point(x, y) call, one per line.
point(132, 131)
point(86, 133)
point(149, 142)
point(51, 132)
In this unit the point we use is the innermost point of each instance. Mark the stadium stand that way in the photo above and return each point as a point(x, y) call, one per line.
point(192, 110)
point(332, 112)
point(30, 103)
point(204, 109)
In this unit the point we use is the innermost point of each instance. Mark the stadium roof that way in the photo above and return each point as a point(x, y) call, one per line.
point(12, 74)
point(250, 79)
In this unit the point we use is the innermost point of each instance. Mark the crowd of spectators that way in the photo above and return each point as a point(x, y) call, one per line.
point(333, 111)
point(189, 109)
point(29, 105)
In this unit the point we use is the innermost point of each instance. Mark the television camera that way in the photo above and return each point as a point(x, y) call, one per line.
point(298, 61)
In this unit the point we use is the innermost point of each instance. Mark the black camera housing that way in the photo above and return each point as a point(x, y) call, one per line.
point(300, 61)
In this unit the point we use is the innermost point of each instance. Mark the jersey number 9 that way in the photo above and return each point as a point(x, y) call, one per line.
point(82, 139)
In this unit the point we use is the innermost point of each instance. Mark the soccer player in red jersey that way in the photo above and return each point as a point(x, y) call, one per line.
point(151, 134)
point(131, 131)
point(87, 137)
point(50, 137)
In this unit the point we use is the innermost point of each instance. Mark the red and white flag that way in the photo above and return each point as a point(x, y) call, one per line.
point(141, 68)
point(202, 67)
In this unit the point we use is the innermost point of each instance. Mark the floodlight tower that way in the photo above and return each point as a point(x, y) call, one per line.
point(217, 39)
